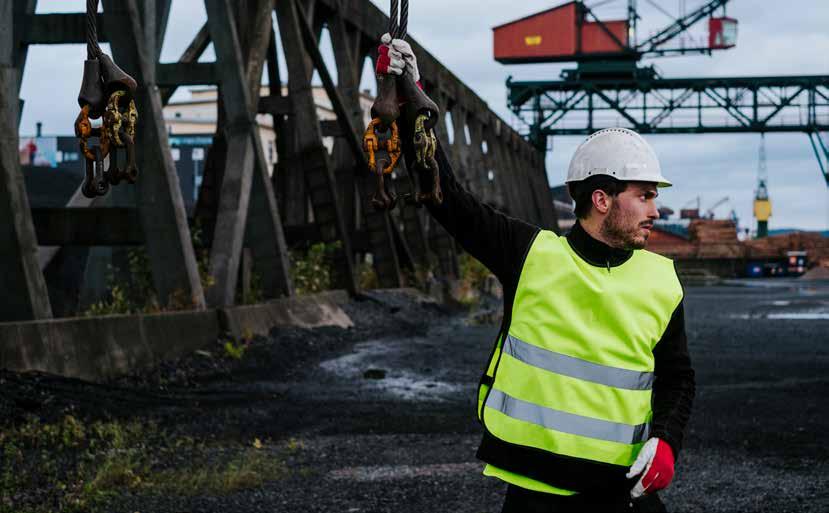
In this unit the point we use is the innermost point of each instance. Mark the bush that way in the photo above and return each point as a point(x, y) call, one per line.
point(312, 270)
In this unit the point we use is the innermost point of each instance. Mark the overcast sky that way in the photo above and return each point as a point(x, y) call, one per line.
point(775, 38)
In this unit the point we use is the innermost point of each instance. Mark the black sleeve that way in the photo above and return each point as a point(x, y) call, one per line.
point(674, 386)
point(497, 240)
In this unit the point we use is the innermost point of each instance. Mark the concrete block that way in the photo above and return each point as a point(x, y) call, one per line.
point(95, 348)
point(311, 311)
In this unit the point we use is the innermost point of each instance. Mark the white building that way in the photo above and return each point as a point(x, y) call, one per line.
point(197, 116)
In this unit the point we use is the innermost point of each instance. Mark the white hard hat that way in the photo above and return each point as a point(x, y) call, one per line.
point(617, 152)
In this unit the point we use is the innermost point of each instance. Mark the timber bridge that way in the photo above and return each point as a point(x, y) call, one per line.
point(250, 215)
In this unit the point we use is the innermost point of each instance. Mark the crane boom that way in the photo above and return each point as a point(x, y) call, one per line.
point(710, 212)
point(679, 26)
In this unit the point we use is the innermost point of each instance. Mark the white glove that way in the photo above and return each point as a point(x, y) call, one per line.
point(401, 57)
point(655, 463)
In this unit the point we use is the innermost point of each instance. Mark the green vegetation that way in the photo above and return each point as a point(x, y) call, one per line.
point(133, 291)
point(473, 277)
point(71, 466)
point(312, 270)
point(366, 276)
point(235, 349)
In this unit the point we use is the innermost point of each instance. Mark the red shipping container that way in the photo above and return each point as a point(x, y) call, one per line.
point(554, 35)
point(594, 39)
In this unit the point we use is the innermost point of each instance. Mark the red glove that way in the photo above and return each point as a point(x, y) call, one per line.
point(656, 464)
point(383, 60)
point(394, 57)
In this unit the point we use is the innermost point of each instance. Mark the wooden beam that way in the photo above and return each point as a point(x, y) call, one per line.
point(191, 54)
point(46, 253)
point(331, 128)
point(162, 16)
point(244, 164)
point(179, 74)
point(161, 206)
point(309, 160)
point(275, 105)
point(24, 295)
point(352, 172)
point(87, 226)
point(349, 130)
point(59, 29)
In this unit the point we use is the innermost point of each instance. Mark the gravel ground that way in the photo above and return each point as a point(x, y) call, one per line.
point(380, 418)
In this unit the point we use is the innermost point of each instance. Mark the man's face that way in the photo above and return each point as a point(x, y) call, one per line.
point(629, 221)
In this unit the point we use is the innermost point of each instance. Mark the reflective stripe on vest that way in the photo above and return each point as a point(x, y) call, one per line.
point(567, 422)
point(576, 367)
point(572, 374)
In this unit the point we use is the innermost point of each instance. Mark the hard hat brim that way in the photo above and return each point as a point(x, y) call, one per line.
point(660, 180)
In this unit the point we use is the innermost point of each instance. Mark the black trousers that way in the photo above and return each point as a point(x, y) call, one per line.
point(521, 500)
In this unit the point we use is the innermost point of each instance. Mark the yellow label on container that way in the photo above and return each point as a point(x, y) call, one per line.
point(532, 40)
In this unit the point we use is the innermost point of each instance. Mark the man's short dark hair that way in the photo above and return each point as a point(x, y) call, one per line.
point(582, 192)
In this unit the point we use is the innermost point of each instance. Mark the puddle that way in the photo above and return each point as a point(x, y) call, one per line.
point(391, 357)
point(803, 316)
point(784, 309)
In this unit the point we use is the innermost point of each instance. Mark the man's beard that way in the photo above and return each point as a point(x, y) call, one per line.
point(620, 231)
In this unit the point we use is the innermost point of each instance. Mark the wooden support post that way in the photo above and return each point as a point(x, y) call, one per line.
point(281, 122)
point(412, 221)
point(439, 240)
point(157, 190)
point(312, 156)
point(264, 233)
point(350, 164)
point(24, 290)
point(494, 194)
point(162, 16)
point(510, 184)
point(461, 149)
point(244, 159)
point(476, 158)
point(541, 188)
point(194, 50)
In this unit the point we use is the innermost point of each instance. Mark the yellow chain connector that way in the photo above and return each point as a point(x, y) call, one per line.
point(372, 144)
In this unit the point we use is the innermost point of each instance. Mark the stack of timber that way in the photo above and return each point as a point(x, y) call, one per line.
point(815, 245)
point(715, 238)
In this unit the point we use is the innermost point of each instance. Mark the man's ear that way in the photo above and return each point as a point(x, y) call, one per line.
point(601, 201)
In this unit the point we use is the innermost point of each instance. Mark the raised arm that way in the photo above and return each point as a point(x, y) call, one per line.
point(497, 240)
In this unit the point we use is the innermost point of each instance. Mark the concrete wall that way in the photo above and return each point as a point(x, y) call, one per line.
point(96, 348)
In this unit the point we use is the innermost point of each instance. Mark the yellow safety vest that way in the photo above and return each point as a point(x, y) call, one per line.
point(566, 398)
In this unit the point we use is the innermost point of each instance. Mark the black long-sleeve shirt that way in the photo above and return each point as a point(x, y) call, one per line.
point(500, 242)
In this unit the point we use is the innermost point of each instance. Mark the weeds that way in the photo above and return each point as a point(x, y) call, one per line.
point(72, 466)
point(312, 270)
point(134, 292)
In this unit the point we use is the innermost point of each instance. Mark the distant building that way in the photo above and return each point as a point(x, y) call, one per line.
point(191, 124)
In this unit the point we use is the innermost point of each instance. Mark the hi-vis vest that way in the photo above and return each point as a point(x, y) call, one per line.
point(566, 398)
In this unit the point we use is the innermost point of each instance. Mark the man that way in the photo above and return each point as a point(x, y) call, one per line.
point(585, 397)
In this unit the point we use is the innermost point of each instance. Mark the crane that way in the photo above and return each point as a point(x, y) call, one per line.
point(606, 48)
point(762, 203)
point(709, 214)
point(609, 89)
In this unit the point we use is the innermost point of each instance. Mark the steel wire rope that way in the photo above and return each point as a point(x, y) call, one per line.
point(93, 51)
